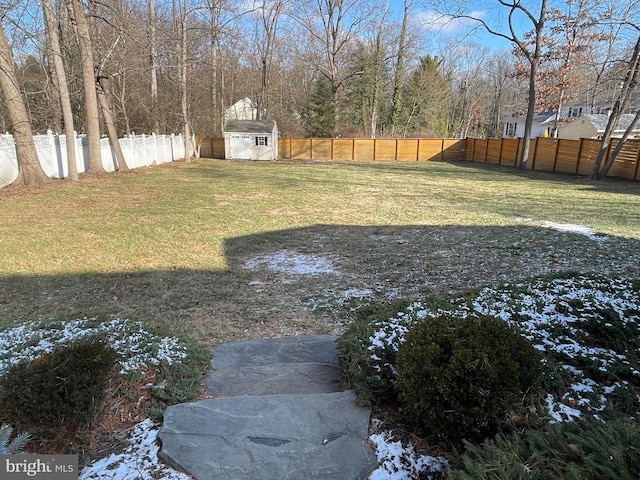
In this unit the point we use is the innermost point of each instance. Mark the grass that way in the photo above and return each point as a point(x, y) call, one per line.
point(177, 234)
point(178, 215)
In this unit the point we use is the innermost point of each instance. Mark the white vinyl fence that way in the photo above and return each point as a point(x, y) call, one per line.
point(139, 151)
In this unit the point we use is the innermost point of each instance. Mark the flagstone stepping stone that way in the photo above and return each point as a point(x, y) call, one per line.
point(276, 413)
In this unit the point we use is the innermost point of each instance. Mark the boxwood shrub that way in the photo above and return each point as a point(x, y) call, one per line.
point(459, 377)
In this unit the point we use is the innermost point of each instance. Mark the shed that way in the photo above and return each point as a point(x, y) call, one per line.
point(251, 140)
point(593, 126)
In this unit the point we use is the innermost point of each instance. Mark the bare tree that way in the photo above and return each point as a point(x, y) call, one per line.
point(529, 46)
point(632, 77)
point(183, 11)
point(396, 106)
point(330, 26)
point(79, 22)
point(29, 169)
point(266, 19)
point(60, 76)
point(153, 65)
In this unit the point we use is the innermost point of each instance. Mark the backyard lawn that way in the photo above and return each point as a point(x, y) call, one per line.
point(225, 251)
point(217, 251)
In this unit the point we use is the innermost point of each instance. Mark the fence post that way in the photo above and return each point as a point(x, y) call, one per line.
point(500, 151)
point(635, 175)
point(579, 156)
point(555, 156)
point(51, 140)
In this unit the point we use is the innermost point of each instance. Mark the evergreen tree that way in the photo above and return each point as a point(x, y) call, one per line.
point(426, 100)
point(320, 111)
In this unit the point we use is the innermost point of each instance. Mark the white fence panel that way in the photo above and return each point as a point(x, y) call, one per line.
point(8, 161)
point(107, 155)
point(139, 151)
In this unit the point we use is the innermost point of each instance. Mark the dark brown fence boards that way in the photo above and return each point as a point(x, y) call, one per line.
point(556, 155)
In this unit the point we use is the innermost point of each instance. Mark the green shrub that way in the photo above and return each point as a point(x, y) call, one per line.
point(459, 377)
point(62, 387)
point(584, 450)
point(181, 380)
point(371, 383)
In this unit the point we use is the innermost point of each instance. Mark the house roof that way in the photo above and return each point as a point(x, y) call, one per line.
point(542, 117)
point(249, 126)
point(599, 121)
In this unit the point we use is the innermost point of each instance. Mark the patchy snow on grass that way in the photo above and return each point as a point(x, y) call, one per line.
point(291, 262)
point(136, 346)
point(564, 318)
point(566, 227)
point(139, 461)
point(398, 462)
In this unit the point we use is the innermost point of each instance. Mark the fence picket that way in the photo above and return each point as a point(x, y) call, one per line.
point(52, 153)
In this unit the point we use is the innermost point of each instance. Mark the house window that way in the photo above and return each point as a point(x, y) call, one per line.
point(511, 129)
point(261, 141)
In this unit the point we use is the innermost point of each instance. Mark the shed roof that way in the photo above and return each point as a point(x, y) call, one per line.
point(249, 126)
point(599, 121)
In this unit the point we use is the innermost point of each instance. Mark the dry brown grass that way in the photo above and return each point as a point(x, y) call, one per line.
point(170, 244)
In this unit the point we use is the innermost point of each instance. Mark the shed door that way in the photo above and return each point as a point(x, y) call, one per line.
point(241, 146)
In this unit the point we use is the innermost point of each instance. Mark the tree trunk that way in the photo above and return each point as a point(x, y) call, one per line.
point(373, 121)
point(631, 79)
point(57, 65)
point(153, 57)
point(616, 151)
point(183, 86)
point(111, 126)
point(526, 141)
point(397, 82)
point(79, 21)
point(29, 169)
point(535, 58)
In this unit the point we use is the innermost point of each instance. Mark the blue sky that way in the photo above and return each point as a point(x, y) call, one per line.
point(449, 27)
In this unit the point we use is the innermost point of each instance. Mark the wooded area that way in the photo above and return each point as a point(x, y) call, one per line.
point(319, 68)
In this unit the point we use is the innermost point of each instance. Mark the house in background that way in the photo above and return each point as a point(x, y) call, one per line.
point(593, 126)
point(544, 123)
point(542, 126)
point(250, 140)
point(245, 109)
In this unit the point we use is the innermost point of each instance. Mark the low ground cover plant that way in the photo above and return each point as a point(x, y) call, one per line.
point(69, 381)
point(584, 329)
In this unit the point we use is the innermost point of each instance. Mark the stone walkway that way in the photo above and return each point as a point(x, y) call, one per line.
point(276, 412)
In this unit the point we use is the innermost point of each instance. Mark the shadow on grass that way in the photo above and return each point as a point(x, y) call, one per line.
point(273, 286)
point(492, 172)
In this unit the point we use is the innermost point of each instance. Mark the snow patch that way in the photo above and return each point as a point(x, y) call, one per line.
point(402, 463)
point(139, 461)
point(291, 262)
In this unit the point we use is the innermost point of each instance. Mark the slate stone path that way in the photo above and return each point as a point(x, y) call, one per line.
point(276, 412)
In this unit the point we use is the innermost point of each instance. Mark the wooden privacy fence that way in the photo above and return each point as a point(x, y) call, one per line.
point(355, 149)
point(545, 154)
point(556, 155)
